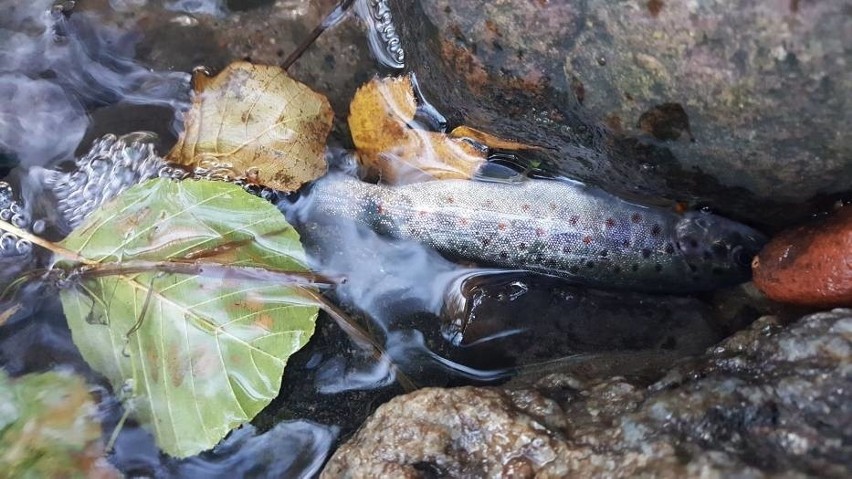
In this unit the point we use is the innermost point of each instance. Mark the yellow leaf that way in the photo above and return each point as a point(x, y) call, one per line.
point(381, 119)
point(258, 122)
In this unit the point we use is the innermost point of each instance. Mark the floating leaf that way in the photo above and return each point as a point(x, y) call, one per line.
point(393, 148)
point(264, 124)
point(49, 428)
point(198, 353)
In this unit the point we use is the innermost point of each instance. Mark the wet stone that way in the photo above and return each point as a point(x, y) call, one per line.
point(768, 401)
point(741, 108)
point(527, 319)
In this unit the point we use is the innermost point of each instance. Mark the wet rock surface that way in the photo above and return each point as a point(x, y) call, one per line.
point(739, 105)
point(768, 401)
point(811, 264)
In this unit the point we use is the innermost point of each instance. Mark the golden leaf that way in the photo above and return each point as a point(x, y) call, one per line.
point(258, 122)
point(391, 146)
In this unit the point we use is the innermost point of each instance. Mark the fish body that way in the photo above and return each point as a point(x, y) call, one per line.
point(559, 228)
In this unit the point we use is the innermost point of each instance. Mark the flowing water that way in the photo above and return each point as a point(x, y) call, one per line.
point(66, 77)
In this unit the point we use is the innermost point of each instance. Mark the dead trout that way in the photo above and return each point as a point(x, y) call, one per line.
point(552, 227)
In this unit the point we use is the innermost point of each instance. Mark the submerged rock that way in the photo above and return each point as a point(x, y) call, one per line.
point(809, 265)
point(767, 401)
point(740, 105)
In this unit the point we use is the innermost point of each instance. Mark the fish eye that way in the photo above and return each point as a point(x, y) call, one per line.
point(740, 256)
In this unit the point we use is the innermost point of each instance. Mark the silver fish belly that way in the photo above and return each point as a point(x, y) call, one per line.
point(552, 227)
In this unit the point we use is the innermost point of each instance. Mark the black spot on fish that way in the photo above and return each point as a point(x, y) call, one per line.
point(504, 255)
point(646, 253)
point(522, 245)
point(635, 267)
point(669, 343)
point(566, 249)
point(574, 269)
point(717, 271)
point(590, 264)
point(707, 256)
point(485, 241)
point(656, 230)
point(692, 267)
point(658, 267)
point(625, 243)
point(539, 257)
point(636, 218)
point(616, 269)
point(669, 248)
point(603, 253)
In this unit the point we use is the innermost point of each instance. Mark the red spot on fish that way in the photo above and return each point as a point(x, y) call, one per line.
point(636, 218)
point(610, 223)
point(539, 232)
point(574, 220)
point(525, 207)
point(501, 226)
point(450, 199)
point(587, 239)
point(463, 221)
point(379, 208)
point(554, 206)
point(422, 213)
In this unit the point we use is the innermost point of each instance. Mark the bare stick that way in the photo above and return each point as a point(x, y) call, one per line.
point(332, 19)
point(301, 278)
point(361, 337)
point(48, 245)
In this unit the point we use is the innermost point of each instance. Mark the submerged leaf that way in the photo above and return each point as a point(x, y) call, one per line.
point(381, 119)
point(49, 428)
point(197, 354)
point(264, 124)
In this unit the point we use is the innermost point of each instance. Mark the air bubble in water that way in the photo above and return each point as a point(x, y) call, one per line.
point(383, 38)
point(23, 247)
point(7, 242)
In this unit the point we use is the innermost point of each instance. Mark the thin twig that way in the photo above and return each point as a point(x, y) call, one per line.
point(337, 14)
point(302, 278)
point(361, 338)
point(48, 245)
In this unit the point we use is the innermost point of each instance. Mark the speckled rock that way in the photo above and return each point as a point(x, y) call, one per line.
point(810, 265)
point(743, 105)
point(769, 401)
point(521, 427)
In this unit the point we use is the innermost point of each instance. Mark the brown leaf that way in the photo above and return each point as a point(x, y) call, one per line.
point(381, 119)
point(260, 123)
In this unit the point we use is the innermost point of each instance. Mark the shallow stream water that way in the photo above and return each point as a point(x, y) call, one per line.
point(67, 77)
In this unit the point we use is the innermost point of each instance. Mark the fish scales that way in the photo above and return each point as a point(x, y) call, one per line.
point(558, 228)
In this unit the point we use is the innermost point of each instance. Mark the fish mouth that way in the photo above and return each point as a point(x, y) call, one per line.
point(724, 242)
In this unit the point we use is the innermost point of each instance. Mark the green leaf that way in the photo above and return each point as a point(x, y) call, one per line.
point(197, 354)
point(48, 428)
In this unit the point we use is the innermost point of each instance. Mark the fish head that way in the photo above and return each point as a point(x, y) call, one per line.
point(723, 246)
